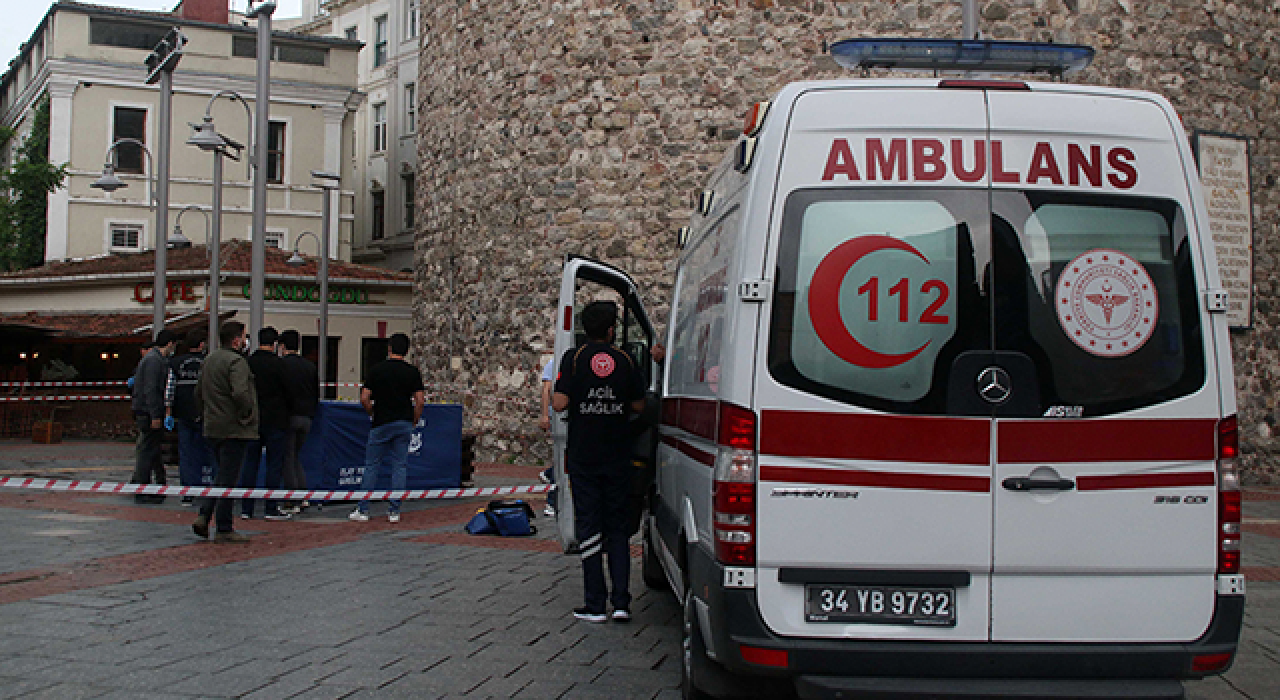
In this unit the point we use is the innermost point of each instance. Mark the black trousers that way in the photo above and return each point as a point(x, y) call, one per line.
point(230, 454)
point(600, 519)
point(148, 459)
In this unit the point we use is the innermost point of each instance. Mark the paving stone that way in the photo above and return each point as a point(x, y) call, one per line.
point(68, 691)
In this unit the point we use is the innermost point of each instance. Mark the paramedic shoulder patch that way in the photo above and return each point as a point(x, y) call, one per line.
point(1106, 303)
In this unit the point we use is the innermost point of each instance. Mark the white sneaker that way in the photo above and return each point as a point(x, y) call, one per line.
point(549, 512)
point(358, 516)
point(393, 517)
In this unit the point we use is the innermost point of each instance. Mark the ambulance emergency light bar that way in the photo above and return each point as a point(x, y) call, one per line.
point(978, 55)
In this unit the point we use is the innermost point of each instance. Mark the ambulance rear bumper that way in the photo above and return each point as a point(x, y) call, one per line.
point(837, 668)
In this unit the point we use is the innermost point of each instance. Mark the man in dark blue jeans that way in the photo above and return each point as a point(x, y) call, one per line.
point(600, 386)
point(273, 424)
point(393, 396)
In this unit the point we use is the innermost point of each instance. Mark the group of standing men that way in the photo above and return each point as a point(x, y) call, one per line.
point(227, 410)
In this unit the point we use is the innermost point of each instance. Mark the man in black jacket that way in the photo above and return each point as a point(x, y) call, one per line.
point(196, 462)
point(273, 422)
point(303, 382)
point(148, 412)
point(600, 386)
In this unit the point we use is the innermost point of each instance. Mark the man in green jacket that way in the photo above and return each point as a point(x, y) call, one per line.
point(229, 406)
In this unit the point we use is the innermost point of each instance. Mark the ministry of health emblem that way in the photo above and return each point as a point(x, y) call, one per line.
point(1106, 303)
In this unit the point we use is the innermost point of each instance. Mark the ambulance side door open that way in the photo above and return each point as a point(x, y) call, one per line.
point(583, 281)
point(1104, 492)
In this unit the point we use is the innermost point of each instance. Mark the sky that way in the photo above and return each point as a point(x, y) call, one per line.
point(24, 15)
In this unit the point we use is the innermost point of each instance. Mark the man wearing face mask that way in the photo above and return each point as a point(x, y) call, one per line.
point(229, 411)
point(149, 413)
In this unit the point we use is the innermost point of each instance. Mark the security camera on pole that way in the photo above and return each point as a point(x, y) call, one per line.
point(258, 258)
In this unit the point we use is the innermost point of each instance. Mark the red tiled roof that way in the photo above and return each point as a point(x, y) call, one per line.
point(106, 325)
point(235, 260)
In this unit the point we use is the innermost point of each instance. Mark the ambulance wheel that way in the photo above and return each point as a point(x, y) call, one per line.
point(650, 567)
point(693, 658)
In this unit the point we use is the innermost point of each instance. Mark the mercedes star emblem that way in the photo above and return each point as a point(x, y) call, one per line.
point(994, 385)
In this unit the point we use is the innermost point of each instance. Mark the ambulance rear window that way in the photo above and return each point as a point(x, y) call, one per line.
point(1099, 292)
point(896, 299)
point(876, 294)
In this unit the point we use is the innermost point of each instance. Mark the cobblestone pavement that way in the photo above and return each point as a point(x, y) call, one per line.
point(101, 598)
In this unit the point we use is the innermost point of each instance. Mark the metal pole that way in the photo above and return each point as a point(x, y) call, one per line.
point(160, 290)
point(215, 252)
point(257, 267)
point(323, 357)
point(969, 19)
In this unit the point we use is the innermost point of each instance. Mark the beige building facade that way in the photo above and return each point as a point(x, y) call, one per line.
point(87, 61)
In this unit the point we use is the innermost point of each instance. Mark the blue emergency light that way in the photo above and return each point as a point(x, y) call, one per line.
point(978, 55)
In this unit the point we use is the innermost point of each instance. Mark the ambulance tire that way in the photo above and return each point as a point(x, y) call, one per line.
point(650, 566)
point(694, 663)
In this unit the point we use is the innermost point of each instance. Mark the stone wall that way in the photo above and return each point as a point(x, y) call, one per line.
point(587, 126)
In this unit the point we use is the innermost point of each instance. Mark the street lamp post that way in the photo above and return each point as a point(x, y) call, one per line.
point(161, 62)
point(109, 182)
point(176, 239)
point(327, 182)
point(258, 256)
point(205, 136)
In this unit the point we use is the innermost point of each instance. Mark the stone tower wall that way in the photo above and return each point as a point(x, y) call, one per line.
point(586, 126)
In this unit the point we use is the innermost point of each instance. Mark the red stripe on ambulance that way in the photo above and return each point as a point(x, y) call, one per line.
point(928, 439)
point(1107, 440)
point(927, 160)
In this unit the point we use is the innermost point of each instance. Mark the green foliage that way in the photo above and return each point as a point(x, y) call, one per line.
point(24, 195)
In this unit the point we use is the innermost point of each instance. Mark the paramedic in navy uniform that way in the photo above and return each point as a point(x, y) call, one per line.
point(600, 386)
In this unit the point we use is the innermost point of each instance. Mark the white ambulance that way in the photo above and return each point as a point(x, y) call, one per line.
point(948, 403)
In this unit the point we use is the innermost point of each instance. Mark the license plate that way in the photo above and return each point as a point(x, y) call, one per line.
point(885, 605)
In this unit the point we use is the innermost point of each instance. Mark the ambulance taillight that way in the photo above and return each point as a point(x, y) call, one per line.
point(1229, 512)
point(734, 490)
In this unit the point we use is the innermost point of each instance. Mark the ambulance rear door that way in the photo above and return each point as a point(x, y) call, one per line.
point(1104, 493)
point(874, 491)
point(583, 281)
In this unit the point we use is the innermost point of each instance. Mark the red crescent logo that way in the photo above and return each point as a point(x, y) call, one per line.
point(824, 302)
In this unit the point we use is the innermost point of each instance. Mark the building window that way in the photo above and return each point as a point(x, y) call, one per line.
point(352, 33)
point(283, 52)
point(126, 236)
point(126, 34)
point(275, 152)
point(410, 19)
point(380, 41)
point(410, 108)
point(407, 179)
point(380, 127)
point(129, 123)
point(273, 239)
point(379, 209)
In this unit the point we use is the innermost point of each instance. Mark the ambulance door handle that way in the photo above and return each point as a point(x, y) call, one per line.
point(1026, 483)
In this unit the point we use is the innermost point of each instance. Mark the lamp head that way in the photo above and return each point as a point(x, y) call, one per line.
point(296, 260)
point(108, 182)
point(177, 240)
point(206, 136)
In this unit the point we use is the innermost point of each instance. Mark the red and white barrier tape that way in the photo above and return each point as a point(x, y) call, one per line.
point(87, 397)
point(116, 487)
point(114, 382)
